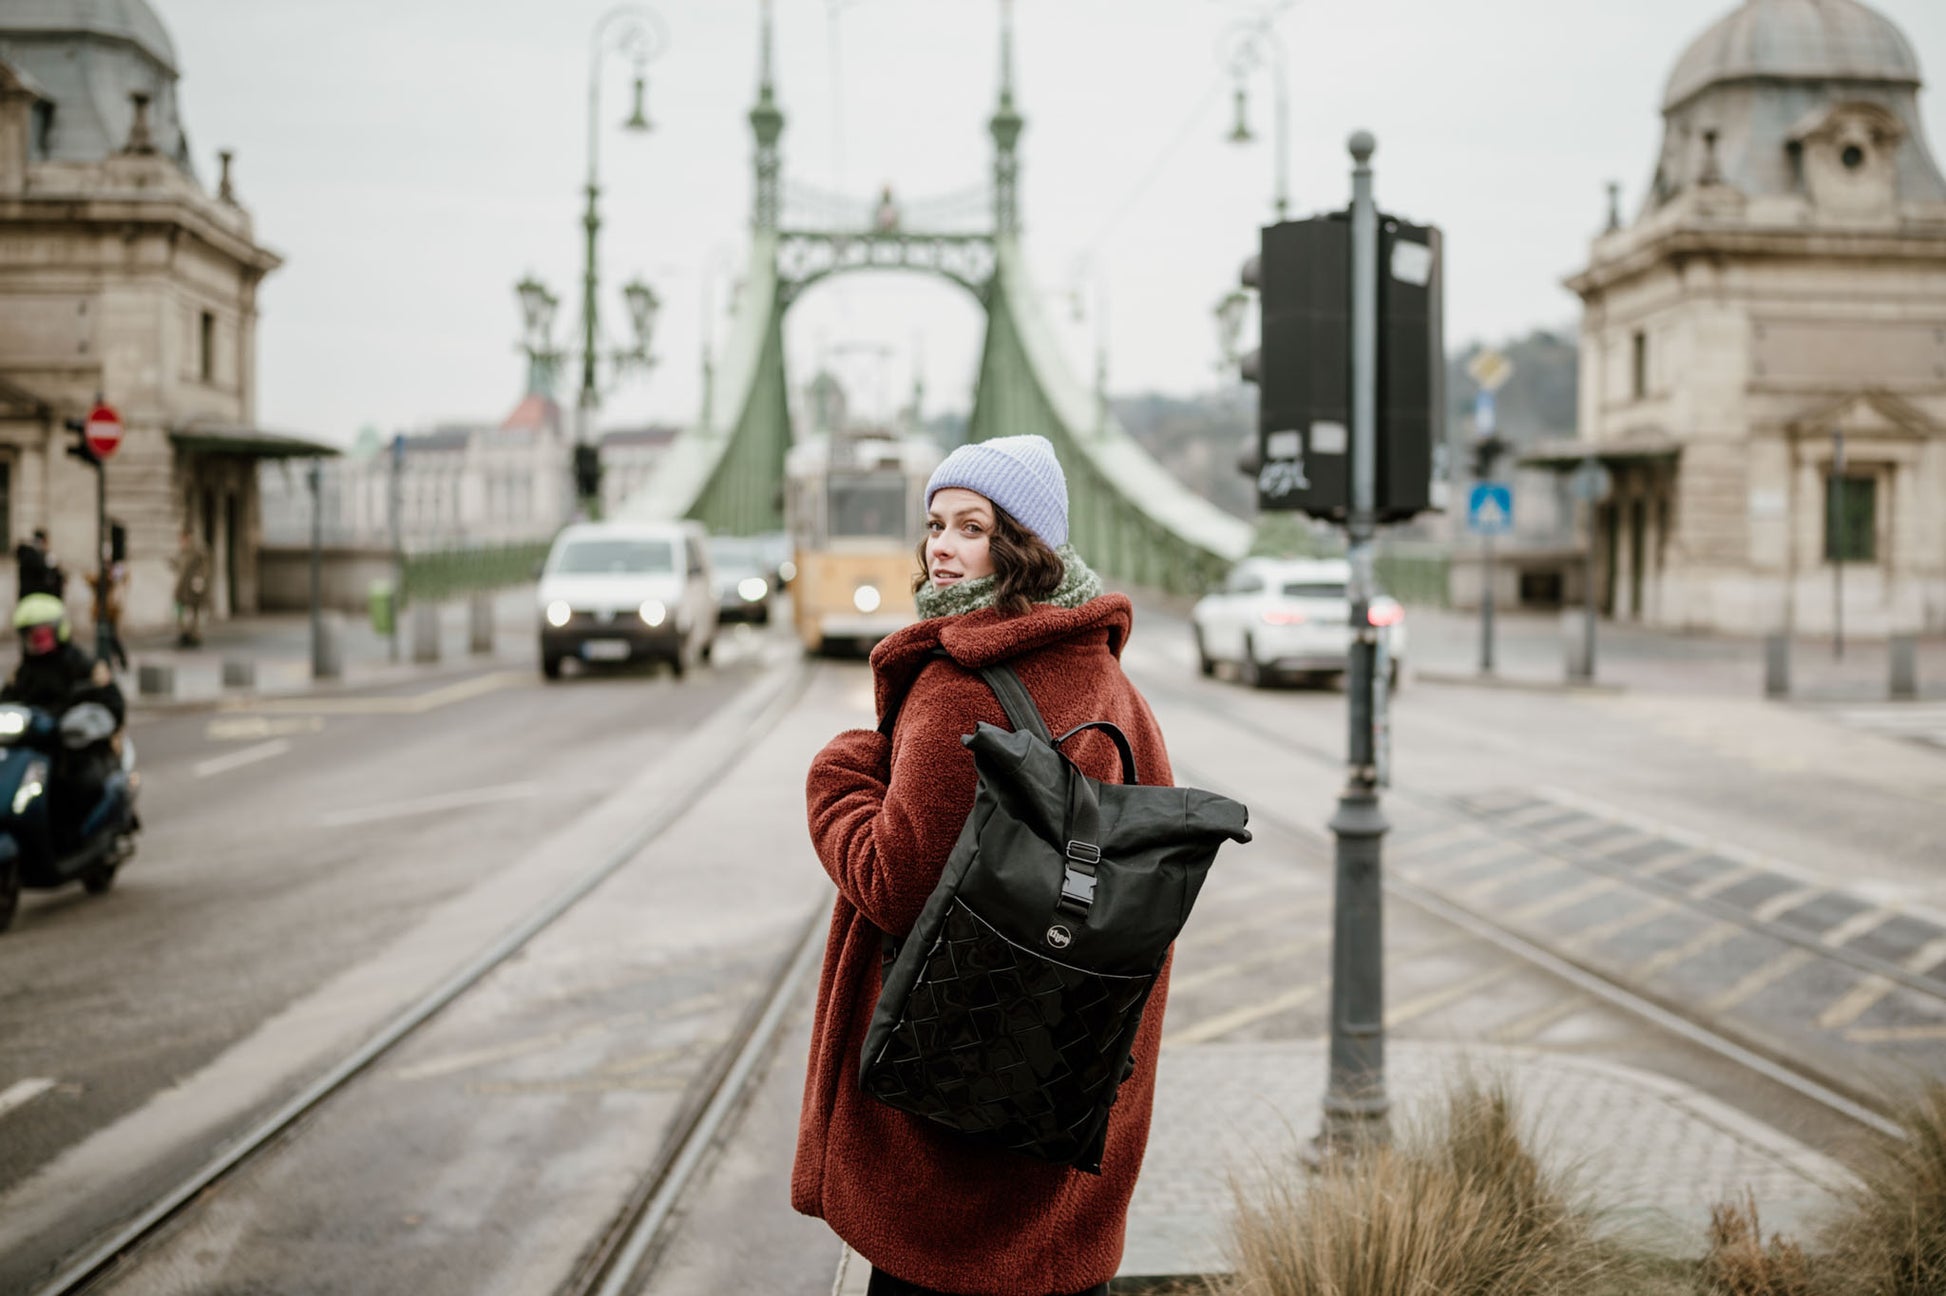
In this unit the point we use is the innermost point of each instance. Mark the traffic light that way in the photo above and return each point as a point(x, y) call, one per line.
point(1303, 368)
point(587, 471)
point(78, 448)
point(1486, 453)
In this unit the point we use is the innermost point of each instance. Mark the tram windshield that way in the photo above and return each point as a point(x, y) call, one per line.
point(867, 507)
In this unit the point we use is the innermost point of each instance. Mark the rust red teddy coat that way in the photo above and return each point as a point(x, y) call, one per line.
point(917, 1201)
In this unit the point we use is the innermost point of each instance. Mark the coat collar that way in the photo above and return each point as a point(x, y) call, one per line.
point(985, 637)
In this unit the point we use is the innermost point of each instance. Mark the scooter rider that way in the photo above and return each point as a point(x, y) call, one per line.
point(55, 674)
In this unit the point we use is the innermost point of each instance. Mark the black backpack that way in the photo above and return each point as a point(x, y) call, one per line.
point(1010, 1012)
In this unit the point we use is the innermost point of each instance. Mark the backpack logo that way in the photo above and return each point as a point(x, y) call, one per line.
point(1059, 937)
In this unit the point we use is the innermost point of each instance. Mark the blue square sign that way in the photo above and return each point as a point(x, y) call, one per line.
point(1490, 509)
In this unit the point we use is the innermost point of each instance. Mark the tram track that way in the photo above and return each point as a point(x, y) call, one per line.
point(118, 1251)
point(1760, 1053)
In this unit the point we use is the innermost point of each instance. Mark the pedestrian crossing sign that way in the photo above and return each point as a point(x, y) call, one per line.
point(1490, 509)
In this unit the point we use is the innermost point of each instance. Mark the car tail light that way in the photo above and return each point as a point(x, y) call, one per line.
point(1284, 617)
point(1386, 614)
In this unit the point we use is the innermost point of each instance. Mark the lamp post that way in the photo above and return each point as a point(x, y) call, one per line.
point(640, 34)
point(1246, 47)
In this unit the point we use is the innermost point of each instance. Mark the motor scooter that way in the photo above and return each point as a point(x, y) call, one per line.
point(39, 845)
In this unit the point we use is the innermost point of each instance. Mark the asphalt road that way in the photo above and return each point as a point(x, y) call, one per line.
point(285, 846)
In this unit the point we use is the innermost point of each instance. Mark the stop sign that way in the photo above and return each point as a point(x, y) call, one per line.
point(104, 431)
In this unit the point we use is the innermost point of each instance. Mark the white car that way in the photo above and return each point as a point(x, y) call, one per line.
point(1277, 617)
point(627, 591)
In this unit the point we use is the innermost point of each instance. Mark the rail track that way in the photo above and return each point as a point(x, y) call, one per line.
point(617, 1257)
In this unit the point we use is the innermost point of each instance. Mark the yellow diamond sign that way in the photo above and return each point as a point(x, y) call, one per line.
point(1490, 369)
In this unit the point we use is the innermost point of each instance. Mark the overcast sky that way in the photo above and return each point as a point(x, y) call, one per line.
point(412, 160)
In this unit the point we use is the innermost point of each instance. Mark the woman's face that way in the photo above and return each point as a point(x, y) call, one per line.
point(957, 530)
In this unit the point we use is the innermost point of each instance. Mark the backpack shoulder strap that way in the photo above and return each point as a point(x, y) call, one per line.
point(1022, 714)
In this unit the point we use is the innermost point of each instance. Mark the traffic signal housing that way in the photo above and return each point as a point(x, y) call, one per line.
point(587, 471)
point(78, 447)
point(1303, 275)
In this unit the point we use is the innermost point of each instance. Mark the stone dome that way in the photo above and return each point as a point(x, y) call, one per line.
point(129, 20)
point(1795, 40)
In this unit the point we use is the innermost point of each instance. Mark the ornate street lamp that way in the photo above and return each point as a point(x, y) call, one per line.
point(638, 33)
point(1245, 48)
point(1230, 313)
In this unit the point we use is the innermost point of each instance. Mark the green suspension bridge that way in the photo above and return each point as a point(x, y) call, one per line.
point(1128, 515)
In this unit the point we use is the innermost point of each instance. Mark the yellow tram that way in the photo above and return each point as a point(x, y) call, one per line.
point(852, 506)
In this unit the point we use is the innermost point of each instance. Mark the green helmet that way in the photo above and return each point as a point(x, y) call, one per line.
point(39, 610)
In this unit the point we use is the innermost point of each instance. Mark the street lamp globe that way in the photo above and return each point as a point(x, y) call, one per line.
point(1229, 323)
point(643, 307)
point(537, 307)
point(1241, 132)
point(638, 120)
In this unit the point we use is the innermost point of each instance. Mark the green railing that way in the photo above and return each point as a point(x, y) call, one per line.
point(448, 573)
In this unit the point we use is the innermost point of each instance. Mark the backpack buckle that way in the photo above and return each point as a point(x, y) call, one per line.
point(1078, 883)
point(1084, 853)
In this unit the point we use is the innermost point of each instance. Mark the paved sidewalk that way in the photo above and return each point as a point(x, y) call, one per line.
point(1445, 646)
point(277, 651)
point(1653, 1153)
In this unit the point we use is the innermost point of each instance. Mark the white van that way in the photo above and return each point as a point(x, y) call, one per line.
point(627, 591)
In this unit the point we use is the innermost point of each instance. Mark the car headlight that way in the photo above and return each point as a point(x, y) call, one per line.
point(787, 570)
point(653, 613)
point(30, 787)
point(559, 614)
point(753, 588)
point(865, 598)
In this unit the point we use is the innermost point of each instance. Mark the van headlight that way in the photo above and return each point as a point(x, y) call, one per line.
point(559, 614)
point(753, 588)
point(865, 598)
point(653, 613)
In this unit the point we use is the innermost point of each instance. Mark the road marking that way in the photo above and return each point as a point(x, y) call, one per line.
point(1855, 1002)
point(243, 728)
point(1775, 907)
point(1487, 886)
point(1223, 1023)
point(1707, 939)
point(1760, 980)
point(1668, 863)
point(1897, 1034)
point(1563, 899)
point(1724, 881)
point(1522, 1029)
point(1400, 1014)
point(1857, 925)
point(22, 1092)
point(1204, 976)
point(1200, 936)
point(1655, 908)
point(428, 805)
point(1929, 954)
point(238, 759)
point(416, 704)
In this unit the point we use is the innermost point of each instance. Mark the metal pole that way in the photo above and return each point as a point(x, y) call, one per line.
point(1486, 605)
point(1355, 1103)
point(1588, 573)
point(314, 477)
point(1835, 493)
point(395, 505)
point(1280, 88)
point(104, 637)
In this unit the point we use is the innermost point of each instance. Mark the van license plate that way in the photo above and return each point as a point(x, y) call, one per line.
point(605, 650)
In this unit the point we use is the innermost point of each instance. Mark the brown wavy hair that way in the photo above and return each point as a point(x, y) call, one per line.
point(1027, 571)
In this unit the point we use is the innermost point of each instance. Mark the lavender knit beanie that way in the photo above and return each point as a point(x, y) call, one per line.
point(1019, 474)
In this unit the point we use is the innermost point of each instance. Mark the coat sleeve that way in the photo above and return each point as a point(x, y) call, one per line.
point(884, 813)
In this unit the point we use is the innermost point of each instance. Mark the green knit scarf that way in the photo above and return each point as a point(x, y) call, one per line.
point(1078, 584)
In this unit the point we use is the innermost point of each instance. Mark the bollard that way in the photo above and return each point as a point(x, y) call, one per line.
point(154, 679)
point(1777, 665)
point(479, 623)
point(1574, 646)
point(1905, 666)
point(328, 653)
point(239, 672)
point(425, 632)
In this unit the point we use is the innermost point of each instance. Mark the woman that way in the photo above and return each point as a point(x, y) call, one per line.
point(933, 1211)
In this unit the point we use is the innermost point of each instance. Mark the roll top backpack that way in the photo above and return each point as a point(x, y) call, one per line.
point(1010, 1011)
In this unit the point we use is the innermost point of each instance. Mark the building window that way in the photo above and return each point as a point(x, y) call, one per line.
point(1851, 519)
point(206, 347)
point(1639, 364)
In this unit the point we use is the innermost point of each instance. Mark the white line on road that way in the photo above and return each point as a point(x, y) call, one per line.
point(237, 759)
point(428, 805)
point(22, 1092)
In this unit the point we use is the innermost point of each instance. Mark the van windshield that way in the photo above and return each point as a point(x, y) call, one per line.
point(616, 556)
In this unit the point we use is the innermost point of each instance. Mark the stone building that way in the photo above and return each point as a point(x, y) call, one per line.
point(1763, 366)
point(123, 277)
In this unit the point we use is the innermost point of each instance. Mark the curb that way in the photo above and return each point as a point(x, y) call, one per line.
point(229, 698)
point(1456, 680)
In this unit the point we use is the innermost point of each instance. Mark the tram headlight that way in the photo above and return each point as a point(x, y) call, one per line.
point(559, 614)
point(752, 589)
point(865, 598)
point(653, 613)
